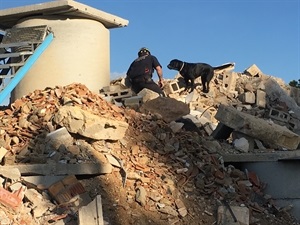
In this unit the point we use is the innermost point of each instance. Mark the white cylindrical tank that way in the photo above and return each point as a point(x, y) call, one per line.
point(79, 53)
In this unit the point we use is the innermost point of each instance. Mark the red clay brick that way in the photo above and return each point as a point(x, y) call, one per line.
point(9, 199)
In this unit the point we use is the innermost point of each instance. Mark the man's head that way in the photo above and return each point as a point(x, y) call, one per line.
point(143, 51)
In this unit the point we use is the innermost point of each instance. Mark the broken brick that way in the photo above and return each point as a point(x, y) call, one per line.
point(253, 178)
point(9, 199)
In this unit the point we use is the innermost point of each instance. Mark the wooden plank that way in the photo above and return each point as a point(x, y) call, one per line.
point(92, 213)
point(61, 169)
point(262, 157)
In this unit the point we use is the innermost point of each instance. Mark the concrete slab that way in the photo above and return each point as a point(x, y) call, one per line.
point(69, 8)
point(262, 156)
point(241, 214)
point(257, 127)
point(42, 181)
point(60, 169)
point(92, 213)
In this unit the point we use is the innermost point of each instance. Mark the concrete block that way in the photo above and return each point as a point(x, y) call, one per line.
point(293, 124)
point(261, 86)
point(279, 115)
point(247, 97)
point(229, 81)
point(261, 98)
point(208, 127)
point(173, 87)
point(147, 95)
point(134, 101)
point(111, 88)
point(117, 93)
point(253, 70)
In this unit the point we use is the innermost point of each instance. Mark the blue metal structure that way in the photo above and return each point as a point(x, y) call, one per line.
point(21, 72)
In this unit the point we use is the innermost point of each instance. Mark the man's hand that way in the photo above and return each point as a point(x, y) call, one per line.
point(161, 82)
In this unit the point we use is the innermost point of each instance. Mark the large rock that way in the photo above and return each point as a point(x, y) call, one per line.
point(77, 120)
point(168, 108)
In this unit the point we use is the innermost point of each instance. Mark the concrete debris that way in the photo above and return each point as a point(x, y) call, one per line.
point(257, 127)
point(147, 95)
point(13, 173)
point(89, 125)
point(64, 147)
point(253, 70)
point(141, 195)
point(3, 152)
point(168, 109)
point(92, 213)
point(241, 215)
point(241, 144)
point(59, 137)
point(60, 168)
point(40, 205)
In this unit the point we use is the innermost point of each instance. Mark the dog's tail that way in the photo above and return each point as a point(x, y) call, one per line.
point(226, 67)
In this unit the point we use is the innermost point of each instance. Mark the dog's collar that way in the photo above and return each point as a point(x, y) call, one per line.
point(181, 67)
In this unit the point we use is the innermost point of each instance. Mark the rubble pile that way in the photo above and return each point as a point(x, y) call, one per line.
point(68, 153)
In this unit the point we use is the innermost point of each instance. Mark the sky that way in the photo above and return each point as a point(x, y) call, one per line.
point(261, 32)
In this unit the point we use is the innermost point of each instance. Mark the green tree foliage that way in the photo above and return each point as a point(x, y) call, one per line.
point(295, 83)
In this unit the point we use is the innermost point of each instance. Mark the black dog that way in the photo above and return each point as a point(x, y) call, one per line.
point(191, 71)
